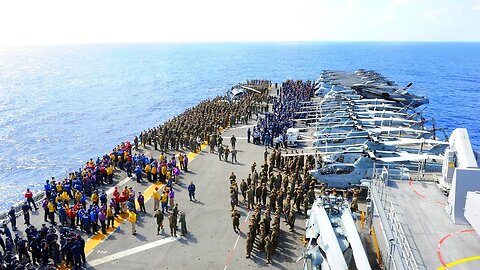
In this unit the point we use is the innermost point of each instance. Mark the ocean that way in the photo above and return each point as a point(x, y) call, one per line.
point(62, 105)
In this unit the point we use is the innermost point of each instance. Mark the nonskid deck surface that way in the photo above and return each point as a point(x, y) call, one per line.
point(432, 235)
point(211, 242)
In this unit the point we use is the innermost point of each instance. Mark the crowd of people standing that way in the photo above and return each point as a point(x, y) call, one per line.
point(79, 205)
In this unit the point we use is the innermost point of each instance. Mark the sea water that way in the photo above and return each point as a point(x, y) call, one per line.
point(62, 105)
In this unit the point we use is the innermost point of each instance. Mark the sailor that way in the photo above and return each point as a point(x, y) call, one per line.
point(226, 153)
point(159, 218)
point(354, 204)
point(250, 197)
point(156, 199)
point(233, 141)
point(232, 178)
point(234, 155)
point(138, 173)
point(191, 191)
point(250, 240)
point(211, 143)
point(183, 223)
point(220, 140)
point(236, 221)
point(264, 194)
point(233, 200)
point(272, 199)
point(172, 222)
point(263, 234)
point(266, 221)
point(175, 210)
point(132, 217)
point(258, 193)
point(13, 218)
point(253, 166)
point(148, 171)
point(26, 213)
point(29, 197)
point(243, 189)
point(291, 220)
point(220, 152)
point(274, 236)
point(51, 212)
point(171, 197)
point(268, 249)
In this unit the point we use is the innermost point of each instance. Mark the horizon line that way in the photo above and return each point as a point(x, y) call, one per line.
point(231, 42)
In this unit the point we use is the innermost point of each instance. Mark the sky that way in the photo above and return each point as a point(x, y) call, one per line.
point(49, 22)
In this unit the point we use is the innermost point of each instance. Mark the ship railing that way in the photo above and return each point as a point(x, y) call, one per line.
point(401, 238)
point(399, 253)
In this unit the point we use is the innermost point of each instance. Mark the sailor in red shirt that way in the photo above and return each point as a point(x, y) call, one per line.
point(30, 201)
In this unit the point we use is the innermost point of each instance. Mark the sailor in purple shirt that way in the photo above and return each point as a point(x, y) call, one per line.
point(141, 202)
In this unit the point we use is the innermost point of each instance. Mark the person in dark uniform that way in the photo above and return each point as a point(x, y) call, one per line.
point(236, 221)
point(26, 213)
point(250, 240)
point(183, 223)
point(268, 249)
point(172, 220)
point(159, 218)
point(13, 218)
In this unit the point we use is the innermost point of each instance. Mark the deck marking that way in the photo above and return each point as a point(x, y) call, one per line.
point(423, 196)
point(131, 251)
point(442, 241)
point(464, 260)
point(98, 238)
point(95, 240)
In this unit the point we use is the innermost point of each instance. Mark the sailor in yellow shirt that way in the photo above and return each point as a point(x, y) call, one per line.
point(78, 196)
point(180, 160)
point(59, 188)
point(148, 171)
point(110, 169)
point(113, 158)
point(154, 173)
point(156, 199)
point(51, 212)
point(65, 197)
point(110, 214)
point(164, 200)
point(164, 174)
point(95, 198)
point(132, 217)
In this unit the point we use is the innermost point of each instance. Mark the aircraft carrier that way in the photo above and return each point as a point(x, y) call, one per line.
point(417, 206)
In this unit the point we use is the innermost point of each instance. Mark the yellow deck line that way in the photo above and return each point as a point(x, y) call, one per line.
point(98, 238)
point(464, 260)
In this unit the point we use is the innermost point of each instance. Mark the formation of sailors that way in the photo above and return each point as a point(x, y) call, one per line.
point(271, 128)
point(282, 186)
point(78, 201)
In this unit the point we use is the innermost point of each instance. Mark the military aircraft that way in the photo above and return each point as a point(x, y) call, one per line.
point(333, 240)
